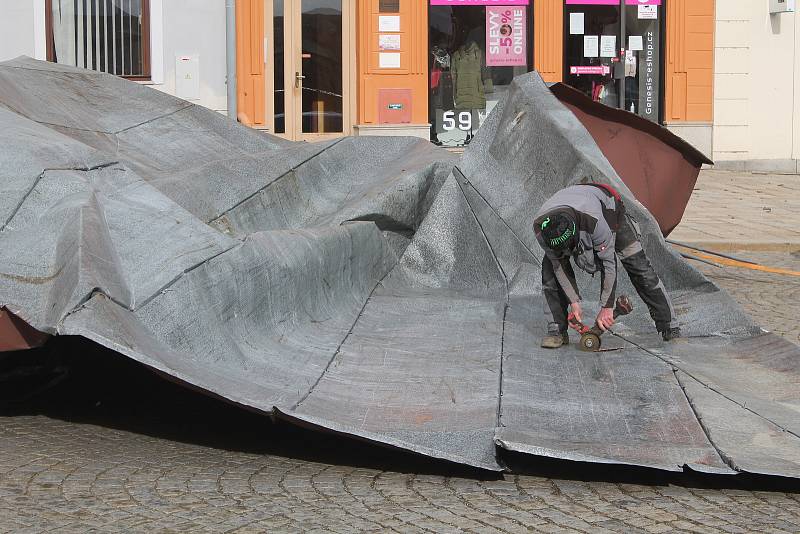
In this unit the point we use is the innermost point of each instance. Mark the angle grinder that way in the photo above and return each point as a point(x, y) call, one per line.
point(590, 337)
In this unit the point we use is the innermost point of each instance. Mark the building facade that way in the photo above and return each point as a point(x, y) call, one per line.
point(756, 86)
point(723, 74)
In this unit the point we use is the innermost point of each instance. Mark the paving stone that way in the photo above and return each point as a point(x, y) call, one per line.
point(762, 208)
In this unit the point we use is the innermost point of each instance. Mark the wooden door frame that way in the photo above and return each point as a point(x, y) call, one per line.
point(292, 35)
point(269, 66)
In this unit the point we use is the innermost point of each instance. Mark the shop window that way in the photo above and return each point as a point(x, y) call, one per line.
point(475, 53)
point(105, 35)
point(612, 53)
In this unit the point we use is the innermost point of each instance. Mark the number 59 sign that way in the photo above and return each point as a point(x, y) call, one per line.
point(464, 121)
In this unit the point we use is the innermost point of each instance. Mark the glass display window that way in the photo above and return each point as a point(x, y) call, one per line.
point(612, 52)
point(591, 51)
point(476, 51)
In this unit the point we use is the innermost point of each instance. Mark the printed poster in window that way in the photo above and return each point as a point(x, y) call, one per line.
point(505, 36)
point(389, 41)
point(608, 46)
point(591, 45)
point(648, 12)
point(576, 23)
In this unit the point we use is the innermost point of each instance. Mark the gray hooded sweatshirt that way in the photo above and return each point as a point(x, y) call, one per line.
point(597, 215)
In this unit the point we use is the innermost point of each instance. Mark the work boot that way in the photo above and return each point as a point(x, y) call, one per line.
point(554, 340)
point(671, 333)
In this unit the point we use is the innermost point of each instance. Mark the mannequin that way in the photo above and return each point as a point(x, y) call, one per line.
point(468, 84)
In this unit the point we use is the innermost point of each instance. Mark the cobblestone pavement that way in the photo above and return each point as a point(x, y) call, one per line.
point(115, 448)
point(763, 209)
point(773, 299)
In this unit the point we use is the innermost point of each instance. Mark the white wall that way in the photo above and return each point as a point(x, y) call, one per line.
point(17, 29)
point(192, 27)
point(796, 136)
point(178, 27)
point(756, 93)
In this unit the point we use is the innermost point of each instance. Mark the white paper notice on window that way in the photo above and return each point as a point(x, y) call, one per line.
point(389, 60)
point(389, 41)
point(608, 46)
point(630, 64)
point(389, 23)
point(635, 42)
point(576, 23)
point(648, 12)
point(590, 45)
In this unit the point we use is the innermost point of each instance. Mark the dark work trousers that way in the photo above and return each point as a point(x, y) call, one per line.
point(644, 279)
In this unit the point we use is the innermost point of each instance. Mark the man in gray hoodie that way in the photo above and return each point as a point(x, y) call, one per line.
point(588, 224)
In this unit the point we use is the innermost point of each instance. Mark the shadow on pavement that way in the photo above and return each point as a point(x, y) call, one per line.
point(76, 380)
point(590, 472)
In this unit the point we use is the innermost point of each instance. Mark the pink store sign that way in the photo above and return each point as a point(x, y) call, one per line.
point(505, 36)
point(480, 2)
point(613, 2)
point(599, 69)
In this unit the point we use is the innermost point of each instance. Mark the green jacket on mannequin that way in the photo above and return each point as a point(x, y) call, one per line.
point(466, 69)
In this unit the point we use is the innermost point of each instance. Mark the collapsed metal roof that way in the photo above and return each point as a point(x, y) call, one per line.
point(371, 286)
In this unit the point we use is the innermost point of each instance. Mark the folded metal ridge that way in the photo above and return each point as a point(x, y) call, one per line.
point(372, 287)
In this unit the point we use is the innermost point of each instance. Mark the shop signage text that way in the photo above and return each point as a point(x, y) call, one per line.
point(480, 2)
point(505, 36)
point(649, 79)
point(598, 69)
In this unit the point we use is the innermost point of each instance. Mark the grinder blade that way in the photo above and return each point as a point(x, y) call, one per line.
point(590, 342)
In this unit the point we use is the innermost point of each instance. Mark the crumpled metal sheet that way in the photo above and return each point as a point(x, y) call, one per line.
point(266, 316)
point(615, 407)
point(375, 287)
point(629, 407)
point(747, 440)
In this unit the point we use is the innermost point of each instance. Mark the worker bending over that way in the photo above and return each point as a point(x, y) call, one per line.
point(588, 223)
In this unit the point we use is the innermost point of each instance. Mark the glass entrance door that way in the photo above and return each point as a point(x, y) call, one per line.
point(312, 64)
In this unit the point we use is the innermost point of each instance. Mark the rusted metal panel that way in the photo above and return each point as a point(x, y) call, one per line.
point(659, 167)
point(16, 334)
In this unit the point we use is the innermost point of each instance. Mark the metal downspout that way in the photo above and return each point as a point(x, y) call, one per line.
point(230, 55)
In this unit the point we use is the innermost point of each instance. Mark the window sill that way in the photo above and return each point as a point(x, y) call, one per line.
point(145, 80)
